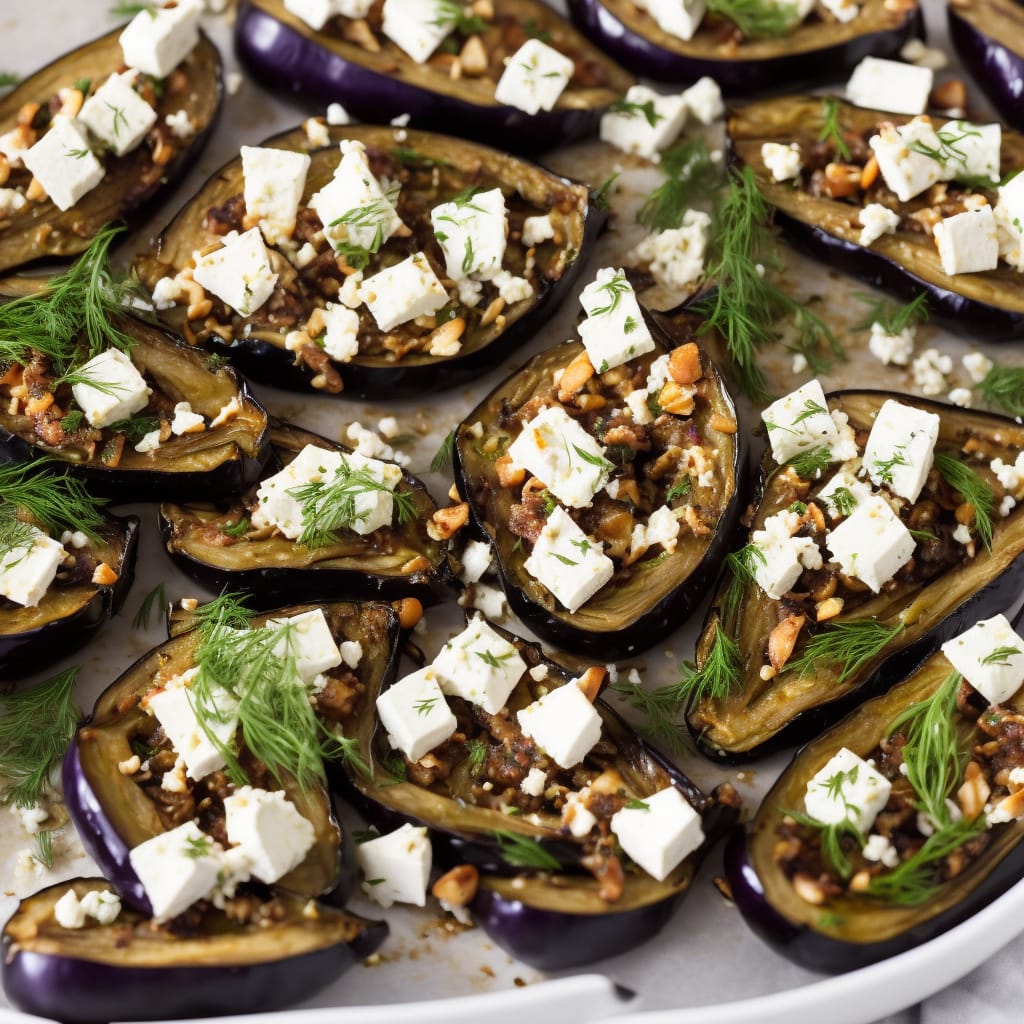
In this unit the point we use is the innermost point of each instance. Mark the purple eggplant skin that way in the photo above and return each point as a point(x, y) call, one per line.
point(823, 53)
point(289, 57)
point(988, 36)
point(67, 618)
point(122, 970)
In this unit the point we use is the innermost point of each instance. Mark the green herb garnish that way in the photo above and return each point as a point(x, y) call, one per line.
point(630, 109)
point(521, 851)
point(1003, 387)
point(812, 463)
point(442, 459)
point(831, 129)
point(891, 318)
point(690, 175)
point(973, 489)
point(757, 19)
point(152, 602)
point(56, 501)
point(848, 644)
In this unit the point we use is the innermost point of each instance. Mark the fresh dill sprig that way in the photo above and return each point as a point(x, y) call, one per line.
point(717, 675)
point(44, 848)
point(831, 129)
point(630, 109)
point(476, 753)
point(8, 79)
point(810, 464)
point(521, 851)
point(847, 644)
point(973, 489)
point(1003, 387)
point(414, 158)
point(757, 19)
point(831, 836)
point(57, 501)
point(690, 175)
point(451, 14)
point(1000, 656)
point(36, 727)
point(600, 196)
point(134, 428)
point(442, 459)
point(660, 708)
point(890, 317)
point(366, 219)
point(843, 501)
point(740, 567)
point(152, 602)
point(237, 529)
point(615, 287)
point(15, 536)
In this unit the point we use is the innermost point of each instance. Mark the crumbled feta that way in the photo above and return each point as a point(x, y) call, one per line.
point(977, 366)
point(103, 905)
point(340, 339)
point(479, 666)
point(150, 441)
point(879, 850)
point(63, 164)
point(842, 10)
point(644, 122)
point(266, 827)
point(30, 817)
point(186, 421)
point(784, 162)
point(930, 369)
point(872, 543)
point(403, 292)
point(900, 448)
point(576, 816)
point(973, 150)
point(535, 782)
point(915, 51)
point(317, 134)
point(968, 242)
point(476, 558)
point(1009, 474)
point(847, 788)
point(337, 115)
point(180, 124)
point(876, 220)
point(274, 182)
point(990, 656)
point(961, 397)
point(111, 389)
point(538, 229)
point(11, 201)
point(157, 40)
point(68, 912)
point(890, 85)
point(396, 866)
point(658, 832)
point(704, 98)
point(534, 77)
point(784, 556)
point(615, 330)
point(238, 272)
point(117, 115)
point(511, 288)
point(563, 723)
point(891, 349)
point(675, 258)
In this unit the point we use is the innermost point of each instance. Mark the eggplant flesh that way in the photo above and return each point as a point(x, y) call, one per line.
point(130, 969)
point(818, 49)
point(393, 562)
point(115, 812)
point(759, 715)
point(849, 930)
point(649, 598)
point(283, 52)
point(133, 183)
point(219, 460)
point(906, 262)
point(396, 363)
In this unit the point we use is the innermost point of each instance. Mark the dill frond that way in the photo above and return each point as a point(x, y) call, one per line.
point(973, 489)
point(847, 644)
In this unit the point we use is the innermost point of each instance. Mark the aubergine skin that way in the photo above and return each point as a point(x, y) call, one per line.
point(988, 36)
point(989, 304)
point(126, 194)
point(867, 929)
point(816, 52)
point(217, 462)
point(94, 975)
point(281, 51)
point(276, 571)
point(759, 717)
point(68, 617)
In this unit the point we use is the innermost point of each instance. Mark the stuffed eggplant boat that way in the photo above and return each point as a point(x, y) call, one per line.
point(352, 527)
point(551, 811)
point(512, 73)
point(910, 205)
point(988, 36)
point(73, 953)
point(899, 822)
point(103, 132)
point(746, 48)
point(389, 272)
point(215, 741)
point(884, 525)
point(604, 476)
point(65, 566)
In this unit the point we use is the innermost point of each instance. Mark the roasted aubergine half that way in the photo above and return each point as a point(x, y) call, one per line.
point(884, 526)
point(388, 271)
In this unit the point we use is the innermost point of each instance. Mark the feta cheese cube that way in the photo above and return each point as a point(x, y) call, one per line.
point(660, 834)
point(968, 242)
point(271, 833)
point(704, 98)
point(973, 150)
point(900, 448)
point(845, 491)
point(1009, 214)
point(480, 666)
point(176, 868)
point(675, 258)
point(903, 157)
point(563, 723)
point(403, 292)
point(111, 389)
point(396, 866)
point(274, 183)
point(415, 714)
point(799, 422)
point(117, 115)
point(239, 272)
point(783, 161)
point(472, 232)
point(784, 557)
point(157, 41)
point(990, 656)
point(644, 121)
point(615, 330)
point(876, 220)
point(340, 339)
point(891, 349)
point(307, 638)
point(63, 163)
point(872, 543)
point(890, 85)
point(566, 561)
point(847, 788)
point(560, 453)
point(679, 18)
point(535, 782)
point(26, 572)
point(534, 77)
point(416, 26)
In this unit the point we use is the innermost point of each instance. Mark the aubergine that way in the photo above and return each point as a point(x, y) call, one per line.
point(937, 594)
point(132, 969)
point(394, 364)
point(133, 183)
point(74, 607)
point(332, 65)
point(906, 263)
point(848, 930)
point(646, 598)
point(819, 49)
point(114, 812)
point(217, 461)
point(988, 36)
point(398, 561)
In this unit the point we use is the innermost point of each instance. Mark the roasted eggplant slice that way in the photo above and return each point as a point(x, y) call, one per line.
point(396, 561)
point(688, 461)
point(431, 169)
point(905, 262)
point(380, 83)
point(932, 879)
point(115, 812)
point(132, 183)
point(132, 969)
point(830, 642)
point(988, 35)
point(817, 50)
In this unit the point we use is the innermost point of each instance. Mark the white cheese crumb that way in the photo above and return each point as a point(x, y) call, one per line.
point(977, 365)
point(233, 82)
point(930, 369)
point(961, 397)
point(337, 114)
point(892, 349)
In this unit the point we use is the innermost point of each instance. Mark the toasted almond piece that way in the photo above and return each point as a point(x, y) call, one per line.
point(103, 575)
point(684, 364)
point(575, 375)
point(458, 886)
point(446, 522)
point(869, 175)
point(782, 640)
point(590, 682)
point(509, 475)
